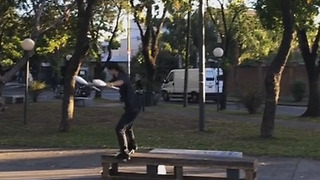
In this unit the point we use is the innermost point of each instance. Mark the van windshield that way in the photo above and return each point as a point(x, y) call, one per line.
point(209, 76)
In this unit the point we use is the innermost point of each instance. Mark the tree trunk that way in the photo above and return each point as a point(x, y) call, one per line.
point(313, 109)
point(309, 58)
point(150, 68)
point(98, 74)
point(85, 13)
point(68, 100)
point(273, 77)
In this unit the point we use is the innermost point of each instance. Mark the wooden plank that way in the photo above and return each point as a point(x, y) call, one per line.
point(139, 176)
point(207, 153)
point(182, 160)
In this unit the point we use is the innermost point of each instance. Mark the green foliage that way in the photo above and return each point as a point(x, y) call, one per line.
point(254, 41)
point(37, 85)
point(269, 13)
point(252, 100)
point(35, 89)
point(175, 34)
point(11, 32)
point(298, 90)
point(166, 61)
point(241, 33)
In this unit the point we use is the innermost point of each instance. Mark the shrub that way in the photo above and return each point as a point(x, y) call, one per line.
point(252, 100)
point(35, 89)
point(298, 90)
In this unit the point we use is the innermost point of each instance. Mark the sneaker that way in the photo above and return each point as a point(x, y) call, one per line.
point(122, 156)
point(132, 149)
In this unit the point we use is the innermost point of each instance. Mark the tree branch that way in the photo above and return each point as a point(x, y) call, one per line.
point(304, 45)
point(315, 45)
point(235, 15)
point(135, 15)
point(114, 33)
point(60, 19)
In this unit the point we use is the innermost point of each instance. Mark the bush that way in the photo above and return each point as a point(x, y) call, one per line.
point(35, 89)
point(298, 90)
point(252, 100)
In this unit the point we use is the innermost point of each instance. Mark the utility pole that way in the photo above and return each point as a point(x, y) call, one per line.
point(202, 94)
point(128, 43)
point(186, 65)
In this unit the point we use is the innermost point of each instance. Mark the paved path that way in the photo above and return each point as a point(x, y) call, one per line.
point(50, 164)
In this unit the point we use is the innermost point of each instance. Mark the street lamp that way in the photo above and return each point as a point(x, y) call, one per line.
point(128, 44)
point(27, 45)
point(64, 68)
point(68, 57)
point(202, 93)
point(218, 52)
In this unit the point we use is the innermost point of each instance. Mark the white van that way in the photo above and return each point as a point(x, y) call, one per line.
point(173, 85)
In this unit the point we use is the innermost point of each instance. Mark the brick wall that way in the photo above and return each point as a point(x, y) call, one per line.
point(241, 79)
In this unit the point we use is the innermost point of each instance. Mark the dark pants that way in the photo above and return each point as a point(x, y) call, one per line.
point(124, 130)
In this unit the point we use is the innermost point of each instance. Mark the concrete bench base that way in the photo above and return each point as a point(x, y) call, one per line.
point(14, 99)
point(83, 101)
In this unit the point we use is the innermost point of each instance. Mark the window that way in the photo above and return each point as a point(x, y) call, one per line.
point(170, 77)
point(209, 76)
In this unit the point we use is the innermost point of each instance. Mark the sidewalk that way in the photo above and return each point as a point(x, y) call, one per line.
point(85, 164)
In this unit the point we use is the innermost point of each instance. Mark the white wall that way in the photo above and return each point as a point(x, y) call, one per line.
point(120, 55)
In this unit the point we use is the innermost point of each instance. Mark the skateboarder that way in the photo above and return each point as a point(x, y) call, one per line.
point(132, 106)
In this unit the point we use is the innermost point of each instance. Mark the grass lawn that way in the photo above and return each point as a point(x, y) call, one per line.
point(162, 126)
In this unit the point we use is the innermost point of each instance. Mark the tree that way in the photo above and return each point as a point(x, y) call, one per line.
point(273, 77)
point(33, 16)
point(237, 29)
point(305, 26)
point(150, 29)
point(178, 36)
point(9, 28)
point(85, 14)
point(102, 22)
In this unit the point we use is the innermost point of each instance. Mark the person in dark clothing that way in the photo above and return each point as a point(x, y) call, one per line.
point(132, 106)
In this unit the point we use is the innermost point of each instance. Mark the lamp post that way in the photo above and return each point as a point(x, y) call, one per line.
point(68, 57)
point(202, 93)
point(66, 62)
point(27, 45)
point(218, 52)
point(128, 44)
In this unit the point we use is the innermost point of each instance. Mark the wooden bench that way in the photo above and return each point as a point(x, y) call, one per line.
point(178, 161)
point(13, 99)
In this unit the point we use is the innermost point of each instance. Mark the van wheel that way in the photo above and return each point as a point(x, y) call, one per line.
point(194, 97)
point(165, 96)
